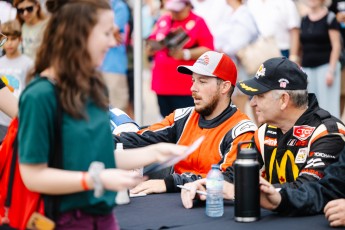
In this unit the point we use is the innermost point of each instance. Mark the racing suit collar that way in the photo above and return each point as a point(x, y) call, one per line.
point(208, 124)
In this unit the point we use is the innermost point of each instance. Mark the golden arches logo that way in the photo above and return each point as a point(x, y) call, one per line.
point(247, 88)
point(281, 168)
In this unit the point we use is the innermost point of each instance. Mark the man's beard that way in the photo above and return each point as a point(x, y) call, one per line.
point(208, 110)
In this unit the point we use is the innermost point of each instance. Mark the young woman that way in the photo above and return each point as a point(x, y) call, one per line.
point(33, 20)
point(77, 37)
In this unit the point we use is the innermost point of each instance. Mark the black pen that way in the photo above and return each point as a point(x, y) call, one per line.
point(197, 191)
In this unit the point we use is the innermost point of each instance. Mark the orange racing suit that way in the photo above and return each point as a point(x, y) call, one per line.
point(184, 126)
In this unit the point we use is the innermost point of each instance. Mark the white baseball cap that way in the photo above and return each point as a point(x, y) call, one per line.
point(176, 5)
point(213, 64)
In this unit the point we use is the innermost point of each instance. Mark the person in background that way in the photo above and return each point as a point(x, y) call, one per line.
point(321, 44)
point(7, 11)
point(14, 67)
point(338, 7)
point(326, 195)
point(213, 12)
point(150, 14)
point(114, 67)
point(8, 102)
point(281, 20)
point(33, 21)
point(234, 32)
point(298, 140)
point(75, 42)
point(173, 90)
point(214, 77)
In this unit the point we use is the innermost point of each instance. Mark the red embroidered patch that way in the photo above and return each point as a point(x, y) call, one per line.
point(303, 132)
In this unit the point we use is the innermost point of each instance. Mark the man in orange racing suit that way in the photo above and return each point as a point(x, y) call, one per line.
point(213, 116)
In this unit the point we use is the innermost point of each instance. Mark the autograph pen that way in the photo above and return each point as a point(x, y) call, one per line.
point(197, 191)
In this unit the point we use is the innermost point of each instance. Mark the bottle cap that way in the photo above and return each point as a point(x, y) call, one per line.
point(246, 153)
point(119, 146)
point(215, 166)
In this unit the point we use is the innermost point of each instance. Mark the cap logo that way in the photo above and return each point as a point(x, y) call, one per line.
point(283, 82)
point(261, 71)
point(204, 60)
point(247, 88)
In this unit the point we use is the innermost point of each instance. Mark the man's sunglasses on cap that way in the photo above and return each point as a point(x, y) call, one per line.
point(29, 9)
point(3, 39)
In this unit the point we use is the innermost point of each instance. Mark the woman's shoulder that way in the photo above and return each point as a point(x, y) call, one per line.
point(39, 89)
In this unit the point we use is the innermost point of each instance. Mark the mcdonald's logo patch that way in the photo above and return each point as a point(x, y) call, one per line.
point(280, 168)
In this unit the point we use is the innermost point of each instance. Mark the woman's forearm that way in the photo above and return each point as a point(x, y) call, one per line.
point(8, 102)
point(40, 178)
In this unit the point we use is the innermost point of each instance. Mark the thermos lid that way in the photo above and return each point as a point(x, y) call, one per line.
point(248, 152)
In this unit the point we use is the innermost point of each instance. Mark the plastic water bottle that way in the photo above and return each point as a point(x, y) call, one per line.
point(214, 187)
point(247, 192)
point(122, 197)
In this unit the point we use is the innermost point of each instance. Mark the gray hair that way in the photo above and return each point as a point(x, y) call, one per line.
point(298, 97)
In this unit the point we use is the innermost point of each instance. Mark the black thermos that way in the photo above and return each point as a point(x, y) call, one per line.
point(247, 191)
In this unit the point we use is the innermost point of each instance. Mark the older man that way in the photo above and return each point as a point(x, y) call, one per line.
point(298, 139)
point(214, 78)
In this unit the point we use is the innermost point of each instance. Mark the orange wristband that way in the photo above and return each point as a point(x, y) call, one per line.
point(83, 182)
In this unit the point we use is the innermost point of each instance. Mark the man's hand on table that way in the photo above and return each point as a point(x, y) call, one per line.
point(335, 212)
point(187, 196)
point(270, 198)
point(150, 186)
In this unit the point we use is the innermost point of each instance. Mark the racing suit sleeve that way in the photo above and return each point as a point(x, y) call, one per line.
point(159, 132)
point(231, 147)
point(229, 171)
point(227, 161)
point(323, 152)
point(179, 179)
point(311, 198)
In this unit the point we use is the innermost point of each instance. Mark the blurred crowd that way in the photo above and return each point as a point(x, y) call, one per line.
point(177, 32)
point(201, 53)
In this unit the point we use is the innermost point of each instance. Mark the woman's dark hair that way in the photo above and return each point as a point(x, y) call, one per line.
point(64, 49)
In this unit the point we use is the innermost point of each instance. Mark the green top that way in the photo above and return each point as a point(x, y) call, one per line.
point(84, 141)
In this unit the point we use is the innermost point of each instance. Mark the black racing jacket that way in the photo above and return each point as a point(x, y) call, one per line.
point(302, 153)
point(311, 198)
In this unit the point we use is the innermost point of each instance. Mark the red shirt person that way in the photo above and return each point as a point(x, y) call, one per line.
point(172, 88)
